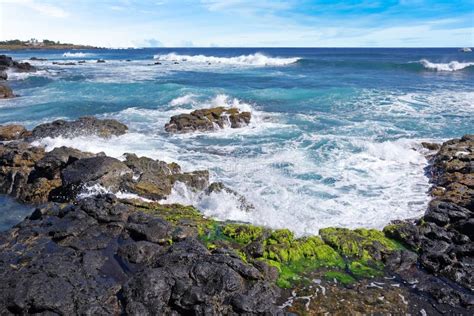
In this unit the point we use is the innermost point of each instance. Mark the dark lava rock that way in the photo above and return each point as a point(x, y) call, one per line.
point(6, 92)
point(85, 259)
point(84, 126)
point(208, 120)
point(7, 62)
point(100, 61)
point(33, 176)
point(38, 59)
point(443, 237)
point(12, 132)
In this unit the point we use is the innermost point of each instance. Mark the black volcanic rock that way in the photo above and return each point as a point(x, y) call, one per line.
point(7, 62)
point(83, 126)
point(444, 235)
point(89, 259)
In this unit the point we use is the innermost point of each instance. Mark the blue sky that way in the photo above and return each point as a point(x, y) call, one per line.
point(254, 23)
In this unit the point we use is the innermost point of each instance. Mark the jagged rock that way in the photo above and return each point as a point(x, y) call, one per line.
point(430, 146)
point(208, 120)
point(12, 132)
point(443, 237)
point(6, 92)
point(104, 171)
point(84, 126)
point(85, 259)
point(7, 62)
point(17, 160)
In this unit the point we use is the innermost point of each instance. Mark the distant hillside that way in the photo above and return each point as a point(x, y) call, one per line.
point(35, 44)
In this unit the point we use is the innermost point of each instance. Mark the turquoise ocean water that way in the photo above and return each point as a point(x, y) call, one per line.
point(334, 139)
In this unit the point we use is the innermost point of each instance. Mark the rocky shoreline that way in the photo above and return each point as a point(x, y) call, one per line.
point(108, 255)
point(7, 63)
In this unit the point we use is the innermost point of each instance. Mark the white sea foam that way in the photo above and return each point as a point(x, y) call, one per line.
point(184, 100)
point(14, 75)
point(77, 55)
point(303, 182)
point(451, 66)
point(257, 59)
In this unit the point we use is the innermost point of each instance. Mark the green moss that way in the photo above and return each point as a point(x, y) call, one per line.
point(366, 244)
point(280, 236)
point(361, 270)
point(243, 234)
point(341, 277)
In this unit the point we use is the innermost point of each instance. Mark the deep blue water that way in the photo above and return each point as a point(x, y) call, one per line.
point(333, 131)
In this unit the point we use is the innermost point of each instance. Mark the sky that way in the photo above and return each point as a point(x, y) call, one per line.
point(241, 23)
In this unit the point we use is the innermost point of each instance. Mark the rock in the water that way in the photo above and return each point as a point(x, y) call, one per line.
point(12, 132)
point(84, 126)
point(7, 62)
point(101, 257)
point(6, 92)
point(208, 120)
point(3, 75)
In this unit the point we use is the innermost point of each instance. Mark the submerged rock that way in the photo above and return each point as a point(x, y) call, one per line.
point(6, 92)
point(208, 120)
point(84, 126)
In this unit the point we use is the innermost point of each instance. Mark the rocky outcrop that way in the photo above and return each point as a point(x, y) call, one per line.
point(12, 132)
point(6, 92)
point(84, 126)
point(33, 176)
point(208, 120)
point(444, 236)
point(103, 257)
point(7, 62)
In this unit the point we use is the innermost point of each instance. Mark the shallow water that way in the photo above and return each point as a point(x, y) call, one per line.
point(11, 212)
point(332, 137)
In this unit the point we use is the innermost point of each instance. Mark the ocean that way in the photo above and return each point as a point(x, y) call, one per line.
point(334, 138)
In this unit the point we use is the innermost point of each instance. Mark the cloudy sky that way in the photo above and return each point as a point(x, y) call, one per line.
point(255, 23)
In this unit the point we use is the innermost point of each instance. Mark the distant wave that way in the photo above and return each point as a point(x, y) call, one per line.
point(257, 59)
point(451, 66)
point(80, 55)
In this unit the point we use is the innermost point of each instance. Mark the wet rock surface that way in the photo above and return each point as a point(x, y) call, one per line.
point(6, 92)
point(443, 237)
point(7, 62)
point(84, 126)
point(208, 120)
point(31, 175)
point(101, 257)
point(12, 132)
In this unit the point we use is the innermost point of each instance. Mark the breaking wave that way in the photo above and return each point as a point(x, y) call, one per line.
point(257, 59)
point(451, 66)
point(77, 55)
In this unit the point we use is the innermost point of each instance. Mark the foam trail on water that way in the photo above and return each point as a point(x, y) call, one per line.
point(451, 66)
point(77, 55)
point(303, 182)
point(257, 59)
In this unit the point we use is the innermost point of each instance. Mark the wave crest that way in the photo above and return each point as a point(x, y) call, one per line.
point(73, 55)
point(451, 66)
point(257, 59)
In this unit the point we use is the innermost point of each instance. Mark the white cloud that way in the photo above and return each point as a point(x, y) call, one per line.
point(40, 7)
